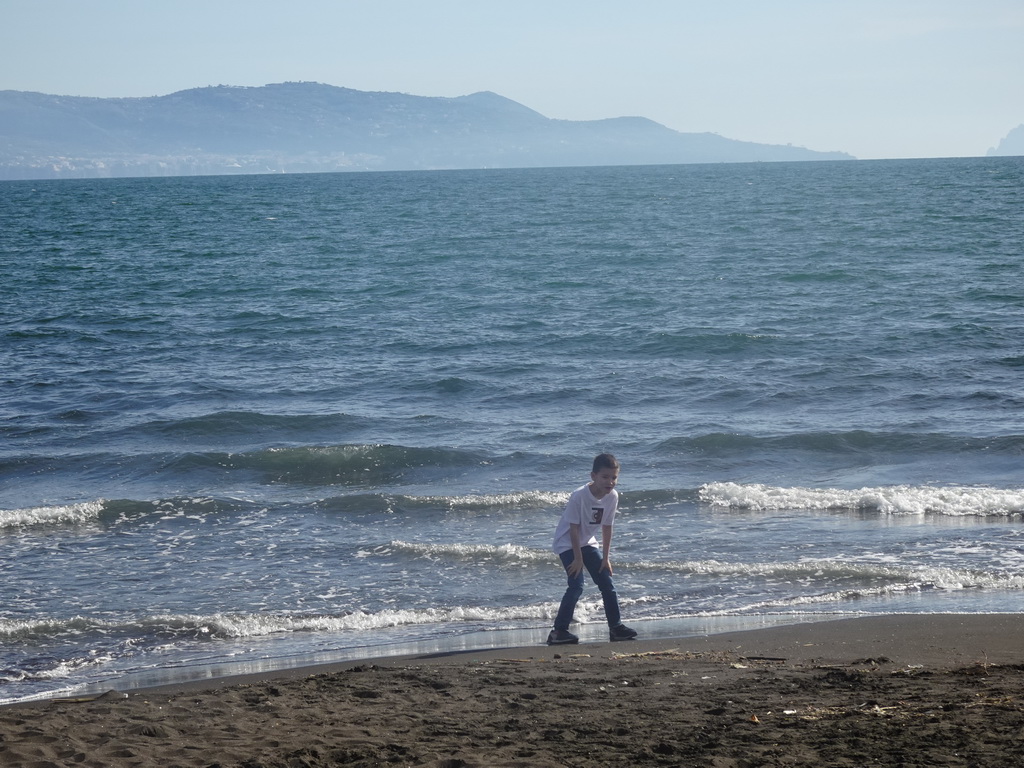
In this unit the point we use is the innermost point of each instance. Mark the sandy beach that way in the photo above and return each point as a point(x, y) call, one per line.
point(921, 690)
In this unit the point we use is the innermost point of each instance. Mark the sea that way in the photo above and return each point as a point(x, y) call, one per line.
point(257, 422)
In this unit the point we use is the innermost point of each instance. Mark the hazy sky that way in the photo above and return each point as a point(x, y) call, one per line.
point(875, 78)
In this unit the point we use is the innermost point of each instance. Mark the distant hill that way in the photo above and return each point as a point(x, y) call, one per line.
point(310, 127)
point(1013, 144)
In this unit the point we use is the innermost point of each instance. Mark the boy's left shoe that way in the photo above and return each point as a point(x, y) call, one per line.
point(621, 632)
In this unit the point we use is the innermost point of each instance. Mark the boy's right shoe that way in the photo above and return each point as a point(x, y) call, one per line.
point(621, 632)
point(562, 637)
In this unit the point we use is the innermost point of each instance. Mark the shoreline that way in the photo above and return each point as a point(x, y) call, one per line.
point(901, 689)
point(474, 640)
point(933, 640)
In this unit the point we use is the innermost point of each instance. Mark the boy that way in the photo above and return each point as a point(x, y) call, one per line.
point(590, 508)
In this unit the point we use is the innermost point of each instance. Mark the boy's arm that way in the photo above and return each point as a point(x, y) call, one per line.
point(606, 547)
point(577, 552)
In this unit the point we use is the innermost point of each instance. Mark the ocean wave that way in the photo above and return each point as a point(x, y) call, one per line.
point(474, 552)
point(64, 514)
point(656, 497)
point(169, 628)
point(839, 571)
point(816, 583)
point(517, 501)
point(795, 603)
point(351, 465)
point(850, 442)
point(55, 669)
point(388, 503)
point(109, 511)
point(124, 511)
point(955, 501)
point(357, 465)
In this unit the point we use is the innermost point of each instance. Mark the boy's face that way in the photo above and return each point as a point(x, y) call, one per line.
point(601, 483)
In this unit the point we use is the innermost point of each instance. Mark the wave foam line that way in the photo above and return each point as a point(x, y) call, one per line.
point(831, 571)
point(953, 501)
point(467, 503)
point(787, 604)
point(57, 515)
point(474, 552)
point(540, 499)
point(224, 626)
point(109, 510)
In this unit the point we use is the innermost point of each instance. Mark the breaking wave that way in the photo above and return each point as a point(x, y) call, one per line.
point(892, 500)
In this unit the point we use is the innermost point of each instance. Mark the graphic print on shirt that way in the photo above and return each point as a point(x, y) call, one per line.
point(596, 515)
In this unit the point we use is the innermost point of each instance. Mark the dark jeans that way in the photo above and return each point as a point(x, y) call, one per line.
point(603, 579)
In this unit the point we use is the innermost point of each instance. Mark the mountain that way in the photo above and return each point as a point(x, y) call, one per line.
point(308, 127)
point(1012, 144)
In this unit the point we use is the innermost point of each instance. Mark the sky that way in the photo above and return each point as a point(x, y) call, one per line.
point(874, 78)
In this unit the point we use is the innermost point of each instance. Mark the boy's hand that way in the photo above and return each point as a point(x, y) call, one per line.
point(606, 565)
point(576, 566)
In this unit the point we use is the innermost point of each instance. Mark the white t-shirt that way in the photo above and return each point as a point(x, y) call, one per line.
point(589, 513)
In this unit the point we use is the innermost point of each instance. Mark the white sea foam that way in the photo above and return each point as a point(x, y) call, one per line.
point(514, 500)
point(33, 629)
point(867, 575)
point(259, 624)
point(68, 668)
point(487, 552)
point(790, 604)
point(891, 500)
point(69, 513)
point(844, 598)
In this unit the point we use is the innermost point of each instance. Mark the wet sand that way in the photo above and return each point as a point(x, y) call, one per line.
point(939, 690)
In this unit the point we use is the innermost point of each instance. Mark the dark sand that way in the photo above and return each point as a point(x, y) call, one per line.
point(883, 691)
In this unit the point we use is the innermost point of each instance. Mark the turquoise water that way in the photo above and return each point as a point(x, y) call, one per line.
point(247, 419)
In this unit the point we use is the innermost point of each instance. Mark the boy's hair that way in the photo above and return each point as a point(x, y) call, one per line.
point(605, 461)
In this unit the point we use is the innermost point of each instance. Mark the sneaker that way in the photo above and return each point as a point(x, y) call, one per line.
point(562, 637)
point(621, 632)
